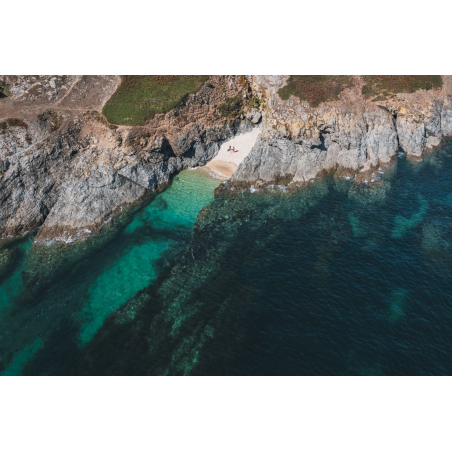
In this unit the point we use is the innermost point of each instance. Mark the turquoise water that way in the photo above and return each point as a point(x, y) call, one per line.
point(176, 208)
point(335, 278)
point(21, 358)
point(129, 274)
point(162, 227)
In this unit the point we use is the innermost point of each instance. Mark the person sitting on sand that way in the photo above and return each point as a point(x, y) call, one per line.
point(230, 149)
point(233, 149)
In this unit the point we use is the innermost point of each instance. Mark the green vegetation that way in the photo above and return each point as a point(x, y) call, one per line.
point(4, 90)
point(140, 97)
point(254, 102)
point(231, 107)
point(315, 89)
point(384, 86)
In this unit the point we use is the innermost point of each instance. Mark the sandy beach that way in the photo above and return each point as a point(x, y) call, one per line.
point(227, 162)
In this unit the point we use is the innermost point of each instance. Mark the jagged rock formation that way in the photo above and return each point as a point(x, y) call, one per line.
point(64, 168)
point(350, 134)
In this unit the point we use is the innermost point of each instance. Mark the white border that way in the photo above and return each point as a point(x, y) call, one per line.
point(230, 414)
point(225, 414)
point(228, 37)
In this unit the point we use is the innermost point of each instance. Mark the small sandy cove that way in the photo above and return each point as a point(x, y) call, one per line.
point(227, 162)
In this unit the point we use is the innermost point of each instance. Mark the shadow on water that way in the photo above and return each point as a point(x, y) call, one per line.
point(334, 278)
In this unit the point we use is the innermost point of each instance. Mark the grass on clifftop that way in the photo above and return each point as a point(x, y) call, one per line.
point(315, 89)
point(140, 97)
point(383, 86)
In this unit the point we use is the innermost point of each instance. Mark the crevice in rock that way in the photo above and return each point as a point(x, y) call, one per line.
point(321, 146)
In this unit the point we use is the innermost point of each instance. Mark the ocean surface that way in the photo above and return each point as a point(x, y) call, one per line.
point(334, 278)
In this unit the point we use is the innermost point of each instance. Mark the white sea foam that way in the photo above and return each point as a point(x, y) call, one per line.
point(81, 234)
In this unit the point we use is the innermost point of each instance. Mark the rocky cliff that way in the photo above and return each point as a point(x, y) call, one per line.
point(351, 134)
point(66, 169)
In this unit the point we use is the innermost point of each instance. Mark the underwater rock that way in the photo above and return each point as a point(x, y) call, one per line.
point(374, 193)
point(436, 245)
point(397, 303)
point(403, 224)
point(7, 262)
point(179, 315)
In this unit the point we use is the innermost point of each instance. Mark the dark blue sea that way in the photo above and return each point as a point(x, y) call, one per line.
point(335, 278)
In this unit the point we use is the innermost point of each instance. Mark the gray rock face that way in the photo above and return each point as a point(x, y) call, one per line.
point(83, 204)
point(64, 169)
point(348, 141)
point(298, 142)
point(75, 182)
point(412, 136)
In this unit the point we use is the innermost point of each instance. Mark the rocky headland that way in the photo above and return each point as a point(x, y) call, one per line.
point(352, 135)
point(69, 170)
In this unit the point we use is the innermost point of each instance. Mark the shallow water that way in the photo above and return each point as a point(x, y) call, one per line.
point(330, 279)
point(95, 289)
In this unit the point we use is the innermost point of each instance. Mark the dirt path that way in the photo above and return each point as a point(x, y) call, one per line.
point(78, 78)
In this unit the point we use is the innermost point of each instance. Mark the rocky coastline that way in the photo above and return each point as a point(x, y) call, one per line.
point(67, 171)
point(351, 135)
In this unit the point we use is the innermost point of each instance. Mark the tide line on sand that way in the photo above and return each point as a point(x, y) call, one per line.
point(225, 169)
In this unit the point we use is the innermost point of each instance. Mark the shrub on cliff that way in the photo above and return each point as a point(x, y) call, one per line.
point(4, 90)
point(315, 89)
point(13, 122)
point(384, 86)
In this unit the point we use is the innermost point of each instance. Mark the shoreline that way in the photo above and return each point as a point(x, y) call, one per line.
point(226, 169)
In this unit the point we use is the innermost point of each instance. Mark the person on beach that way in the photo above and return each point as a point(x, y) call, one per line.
point(233, 149)
point(230, 149)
